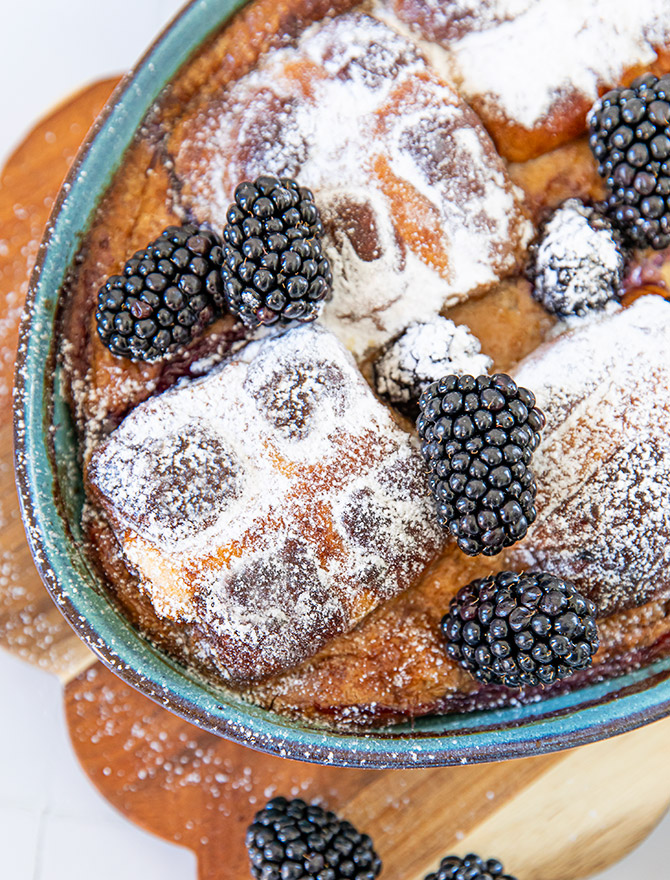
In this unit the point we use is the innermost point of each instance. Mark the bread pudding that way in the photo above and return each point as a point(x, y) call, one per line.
point(257, 500)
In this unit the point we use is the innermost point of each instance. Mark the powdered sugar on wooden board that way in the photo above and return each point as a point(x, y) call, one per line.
point(603, 466)
point(173, 757)
point(418, 206)
point(273, 504)
point(551, 50)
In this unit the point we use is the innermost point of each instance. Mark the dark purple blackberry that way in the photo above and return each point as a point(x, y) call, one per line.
point(168, 293)
point(292, 840)
point(521, 629)
point(274, 268)
point(630, 138)
point(472, 867)
point(478, 437)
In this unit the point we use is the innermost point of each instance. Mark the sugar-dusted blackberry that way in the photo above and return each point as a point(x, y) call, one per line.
point(274, 267)
point(168, 293)
point(292, 840)
point(478, 436)
point(472, 867)
point(425, 351)
point(577, 263)
point(521, 629)
point(630, 138)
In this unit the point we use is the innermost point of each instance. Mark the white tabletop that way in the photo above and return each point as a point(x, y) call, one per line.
point(53, 824)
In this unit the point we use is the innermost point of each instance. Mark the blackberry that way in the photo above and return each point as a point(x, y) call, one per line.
point(168, 293)
point(577, 263)
point(521, 629)
point(472, 867)
point(291, 840)
point(478, 437)
point(630, 138)
point(274, 267)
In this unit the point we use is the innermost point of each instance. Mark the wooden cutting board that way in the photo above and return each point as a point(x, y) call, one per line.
point(552, 817)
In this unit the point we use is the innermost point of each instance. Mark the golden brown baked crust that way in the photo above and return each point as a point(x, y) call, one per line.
point(603, 471)
point(530, 36)
point(140, 203)
point(393, 664)
point(565, 121)
point(272, 505)
point(419, 209)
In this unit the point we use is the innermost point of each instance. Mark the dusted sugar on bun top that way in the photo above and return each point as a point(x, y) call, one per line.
point(443, 22)
point(538, 65)
point(603, 474)
point(418, 208)
point(272, 504)
point(603, 467)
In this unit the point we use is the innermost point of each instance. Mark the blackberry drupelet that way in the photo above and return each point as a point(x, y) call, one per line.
point(630, 138)
point(478, 437)
point(292, 840)
point(168, 293)
point(521, 629)
point(472, 867)
point(274, 268)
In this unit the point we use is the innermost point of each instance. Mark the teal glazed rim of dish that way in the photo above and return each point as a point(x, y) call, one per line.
point(50, 493)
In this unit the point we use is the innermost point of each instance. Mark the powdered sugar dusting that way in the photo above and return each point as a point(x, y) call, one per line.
point(450, 21)
point(425, 353)
point(103, 391)
point(418, 207)
point(577, 263)
point(273, 503)
point(603, 467)
point(553, 49)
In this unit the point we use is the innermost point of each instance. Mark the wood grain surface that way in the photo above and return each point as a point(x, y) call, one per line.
point(30, 624)
point(552, 817)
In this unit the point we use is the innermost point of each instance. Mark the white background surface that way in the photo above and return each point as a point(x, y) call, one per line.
point(53, 824)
